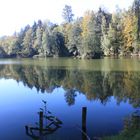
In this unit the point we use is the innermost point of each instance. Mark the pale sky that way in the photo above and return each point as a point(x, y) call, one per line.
point(15, 14)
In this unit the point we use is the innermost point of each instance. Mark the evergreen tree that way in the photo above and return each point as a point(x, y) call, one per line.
point(27, 49)
point(38, 43)
point(46, 43)
point(58, 47)
point(115, 36)
point(91, 38)
point(67, 14)
point(105, 42)
point(136, 10)
point(75, 39)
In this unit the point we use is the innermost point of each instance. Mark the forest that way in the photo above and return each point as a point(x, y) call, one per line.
point(99, 85)
point(95, 35)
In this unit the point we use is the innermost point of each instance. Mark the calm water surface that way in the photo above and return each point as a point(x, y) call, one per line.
point(109, 88)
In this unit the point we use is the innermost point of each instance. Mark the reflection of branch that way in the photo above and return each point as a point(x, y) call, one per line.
point(53, 125)
point(88, 138)
point(83, 130)
point(31, 135)
point(43, 131)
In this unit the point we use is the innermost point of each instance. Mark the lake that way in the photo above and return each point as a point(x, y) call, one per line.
point(60, 88)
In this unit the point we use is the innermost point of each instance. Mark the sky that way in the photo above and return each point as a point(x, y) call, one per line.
point(15, 14)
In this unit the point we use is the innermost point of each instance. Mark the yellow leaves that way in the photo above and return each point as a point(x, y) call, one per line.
point(86, 19)
point(66, 30)
point(129, 25)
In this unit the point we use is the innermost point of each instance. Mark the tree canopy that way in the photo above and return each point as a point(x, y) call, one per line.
point(94, 35)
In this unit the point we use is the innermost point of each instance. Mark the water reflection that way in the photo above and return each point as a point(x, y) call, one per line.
point(84, 128)
point(108, 95)
point(130, 130)
point(97, 85)
point(132, 122)
point(46, 125)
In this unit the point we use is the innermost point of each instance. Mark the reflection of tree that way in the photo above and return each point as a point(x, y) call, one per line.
point(97, 85)
point(132, 122)
point(131, 130)
point(70, 95)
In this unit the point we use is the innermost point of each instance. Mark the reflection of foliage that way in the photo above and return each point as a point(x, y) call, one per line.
point(97, 85)
point(70, 96)
point(131, 129)
point(132, 122)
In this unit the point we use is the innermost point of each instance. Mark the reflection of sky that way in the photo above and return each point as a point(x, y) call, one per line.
point(19, 105)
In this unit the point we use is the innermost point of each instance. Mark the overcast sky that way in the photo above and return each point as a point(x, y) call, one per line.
point(15, 14)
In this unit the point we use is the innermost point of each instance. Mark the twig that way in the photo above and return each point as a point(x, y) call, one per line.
point(88, 138)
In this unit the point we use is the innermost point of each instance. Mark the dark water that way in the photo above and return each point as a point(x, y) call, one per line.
point(109, 88)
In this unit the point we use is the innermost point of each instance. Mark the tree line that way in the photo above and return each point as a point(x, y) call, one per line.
point(94, 35)
point(99, 85)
